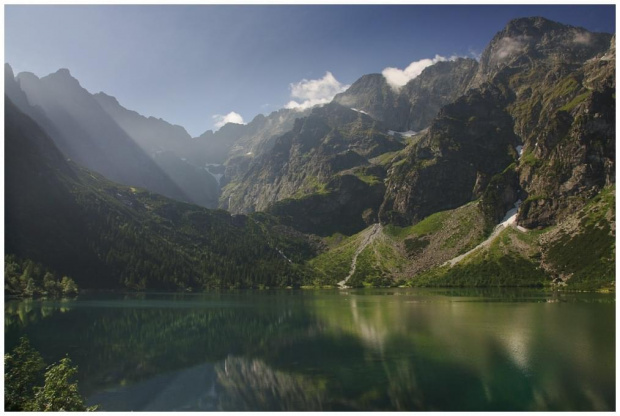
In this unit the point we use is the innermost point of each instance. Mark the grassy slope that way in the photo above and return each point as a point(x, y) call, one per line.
point(399, 252)
point(580, 251)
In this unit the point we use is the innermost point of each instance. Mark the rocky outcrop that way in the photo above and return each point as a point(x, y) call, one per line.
point(468, 143)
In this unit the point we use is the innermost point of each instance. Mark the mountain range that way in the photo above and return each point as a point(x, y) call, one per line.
point(495, 172)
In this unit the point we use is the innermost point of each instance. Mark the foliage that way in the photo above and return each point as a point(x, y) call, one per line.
point(23, 375)
point(23, 369)
point(26, 278)
point(59, 393)
point(587, 255)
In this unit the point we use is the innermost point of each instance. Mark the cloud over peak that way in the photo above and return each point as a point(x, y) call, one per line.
point(231, 117)
point(308, 93)
point(508, 46)
point(399, 77)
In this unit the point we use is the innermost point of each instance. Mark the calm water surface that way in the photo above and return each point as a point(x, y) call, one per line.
point(397, 349)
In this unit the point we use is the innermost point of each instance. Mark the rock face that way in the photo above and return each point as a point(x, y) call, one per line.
point(413, 106)
point(331, 140)
point(561, 80)
point(541, 85)
point(470, 141)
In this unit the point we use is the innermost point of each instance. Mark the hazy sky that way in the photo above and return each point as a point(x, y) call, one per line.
point(188, 64)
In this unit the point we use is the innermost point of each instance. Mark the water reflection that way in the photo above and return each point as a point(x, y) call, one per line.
point(342, 350)
point(250, 384)
point(28, 311)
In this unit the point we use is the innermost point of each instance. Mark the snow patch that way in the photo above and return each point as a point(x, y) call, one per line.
point(359, 111)
point(217, 176)
point(511, 216)
point(509, 220)
point(283, 255)
point(408, 133)
point(519, 150)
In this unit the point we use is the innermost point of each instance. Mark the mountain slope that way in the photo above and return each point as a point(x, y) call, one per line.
point(170, 147)
point(88, 135)
point(107, 235)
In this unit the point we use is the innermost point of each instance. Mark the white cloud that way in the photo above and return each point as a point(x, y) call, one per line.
point(475, 54)
point(508, 46)
point(308, 93)
point(582, 38)
point(231, 117)
point(399, 77)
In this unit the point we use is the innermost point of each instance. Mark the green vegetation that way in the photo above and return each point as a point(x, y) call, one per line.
point(428, 225)
point(499, 264)
point(312, 185)
point(529, 159)
point(25, 278)
point(334, 265)
point(575, 101)
point(106, 235)
point(368, 271)
point(23, 376)
point(587, 254)
point(386, 158)
point(369, 179)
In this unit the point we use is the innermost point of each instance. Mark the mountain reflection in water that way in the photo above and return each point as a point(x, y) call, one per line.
point(332, 350)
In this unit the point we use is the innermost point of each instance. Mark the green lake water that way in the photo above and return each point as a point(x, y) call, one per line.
point(392, 349)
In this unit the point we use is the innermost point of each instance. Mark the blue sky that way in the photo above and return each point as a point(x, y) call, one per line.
point(187, 64)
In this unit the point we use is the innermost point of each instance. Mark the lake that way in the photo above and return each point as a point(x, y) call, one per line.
point(379, 349)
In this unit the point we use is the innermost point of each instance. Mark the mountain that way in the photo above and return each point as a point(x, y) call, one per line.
point(413, 106)
point(98, 133)
point(331, 142)
point(509, 171)
point(86, 134)
point(469, 142)
point(530, 145)
point(107, 235)
point(233, 141)
point(172, 149)
point(548, 94)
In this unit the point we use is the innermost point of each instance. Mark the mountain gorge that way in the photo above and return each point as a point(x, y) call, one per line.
point(428, 169)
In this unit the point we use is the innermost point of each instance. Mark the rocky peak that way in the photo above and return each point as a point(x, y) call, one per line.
point(8, 71)
point(102, 97)
point(536, 41)
point(62, 77)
